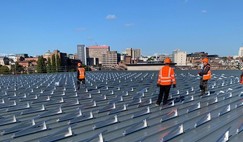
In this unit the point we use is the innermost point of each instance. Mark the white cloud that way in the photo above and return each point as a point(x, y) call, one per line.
point(204, 11)
point(111, 17)
point(129, 25)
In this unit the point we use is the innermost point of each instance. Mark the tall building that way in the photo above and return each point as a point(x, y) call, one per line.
point(241, 52)
point(129, 52)
point(81, 52)
point(109, 59)
point(97, 51)
point(135, 54)
point(179, 57)
point(92, 61)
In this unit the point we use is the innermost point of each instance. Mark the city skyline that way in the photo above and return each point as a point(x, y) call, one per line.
point(158, 26)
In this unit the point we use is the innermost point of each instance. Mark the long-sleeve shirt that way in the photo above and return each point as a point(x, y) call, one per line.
point(204, 70)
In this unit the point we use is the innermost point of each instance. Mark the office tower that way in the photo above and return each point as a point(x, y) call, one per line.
point(81, 52)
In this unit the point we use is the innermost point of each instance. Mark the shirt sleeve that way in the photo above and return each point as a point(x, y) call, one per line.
point(173, 79)
point(77, 73)
point(204, 70)
point(159, 75)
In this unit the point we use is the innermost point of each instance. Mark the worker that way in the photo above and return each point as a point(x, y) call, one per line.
point(166, 78)
point(241, 77)
point(80, 75)
point(205, 74)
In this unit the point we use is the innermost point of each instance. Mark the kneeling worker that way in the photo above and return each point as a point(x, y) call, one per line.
point(166, 78)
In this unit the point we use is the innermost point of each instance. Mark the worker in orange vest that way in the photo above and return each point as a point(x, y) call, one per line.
point(165, 79)
point(241, 77)
point(80, 75)
point(205, 74)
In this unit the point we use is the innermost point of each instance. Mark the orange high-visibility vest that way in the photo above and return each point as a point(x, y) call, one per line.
point(81, 73)
point(166, 76)
point(241, 79)
point(207, 76)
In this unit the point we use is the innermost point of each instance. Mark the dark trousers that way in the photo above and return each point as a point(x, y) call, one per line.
point(203, 86)
point(79, 81)
point(163, 93)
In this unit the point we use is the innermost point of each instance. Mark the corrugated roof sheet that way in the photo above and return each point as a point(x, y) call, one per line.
point(119, 107)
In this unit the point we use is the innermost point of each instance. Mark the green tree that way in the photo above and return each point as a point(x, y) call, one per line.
point(17, 68)
point(224, 59)
point(151, 58)
point(49, 66)
point(53, 63)
point(41, 65)
point(58, 63)
point(238, 66)
point(4, 70)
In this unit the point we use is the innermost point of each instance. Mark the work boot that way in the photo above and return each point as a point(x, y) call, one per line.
point(157, 104)
point(202, 93)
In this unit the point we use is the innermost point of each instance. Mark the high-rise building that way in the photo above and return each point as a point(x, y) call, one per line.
point(241, 52)
point(136, 53)
point(179, 57)
point(97, 51)
point(92, 61)
point(81, 52)
point(109, 59)
point(129, 52)
point(133, 53)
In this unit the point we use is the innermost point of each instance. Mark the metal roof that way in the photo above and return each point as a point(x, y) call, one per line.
point(119, 107)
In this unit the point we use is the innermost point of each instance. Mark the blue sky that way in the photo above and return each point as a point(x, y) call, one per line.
point(155, 26)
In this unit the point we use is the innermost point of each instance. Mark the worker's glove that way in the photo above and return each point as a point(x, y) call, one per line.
point(174, 86)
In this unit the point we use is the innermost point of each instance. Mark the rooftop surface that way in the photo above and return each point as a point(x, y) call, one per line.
point(119, 107)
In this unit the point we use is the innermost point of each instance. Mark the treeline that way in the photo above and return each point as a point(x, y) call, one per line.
point(4, 70)
point(14, 69)
point(52, 64)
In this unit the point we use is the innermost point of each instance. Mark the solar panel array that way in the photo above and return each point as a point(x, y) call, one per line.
point(119, 107)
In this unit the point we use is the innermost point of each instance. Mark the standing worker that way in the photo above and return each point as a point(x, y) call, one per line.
point(165, 79)
point(80, 75)
point(241, 77)
point(205, 74)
